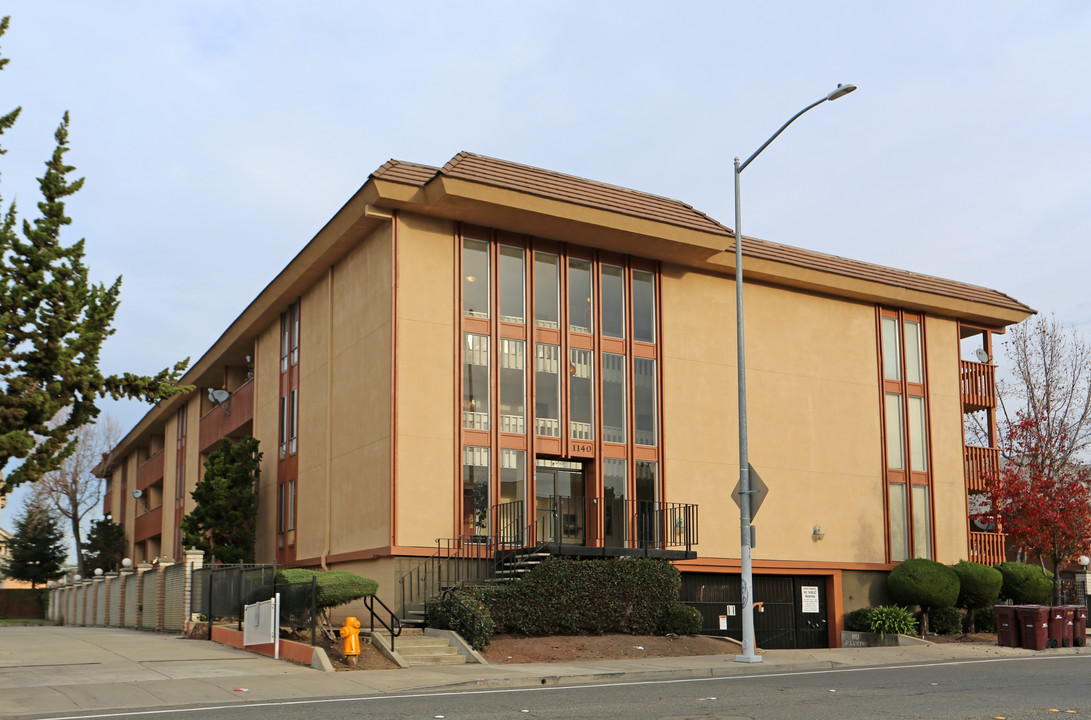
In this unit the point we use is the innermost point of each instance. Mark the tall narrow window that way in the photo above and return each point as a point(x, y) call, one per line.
point(922, 526)
point(581, 394)
point(290, 529)
point(615, 511)
point(647, 499)
point(547, 400)
point(282, 491)
point(295, 332)
point(899, 531)
point(512, 386)
point(293, 421)
point(905, 428)
point(613, 398)
point(283, 433)
point(613, 301)
point(285, 340)
point(511, 516)
point(512, 285)
point(475, 382)
point(580, 293)
point(475, 278)
point(643, 306)
point(644, 401)
point(547, 290)
point(475, 491)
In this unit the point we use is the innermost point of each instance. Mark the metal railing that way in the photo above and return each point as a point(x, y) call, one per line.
point(474, 559)
point(393, 625)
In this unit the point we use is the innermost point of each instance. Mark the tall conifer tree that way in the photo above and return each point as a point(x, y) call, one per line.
point(54, 321)
point(37, 550)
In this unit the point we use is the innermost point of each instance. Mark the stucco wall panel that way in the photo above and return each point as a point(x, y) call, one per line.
point(945, 414)
point(266, 416)
point(427, 418)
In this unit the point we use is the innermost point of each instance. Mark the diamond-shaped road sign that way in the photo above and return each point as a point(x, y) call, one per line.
point(758, 491)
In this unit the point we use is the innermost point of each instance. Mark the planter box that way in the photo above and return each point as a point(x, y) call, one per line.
point(850, 639)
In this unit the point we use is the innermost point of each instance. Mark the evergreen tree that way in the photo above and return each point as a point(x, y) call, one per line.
point(222, 521)
point(54, 321)
point(105, 546)
point(37, 550)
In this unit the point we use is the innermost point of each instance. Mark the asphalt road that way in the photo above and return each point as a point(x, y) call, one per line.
point(1046, 687)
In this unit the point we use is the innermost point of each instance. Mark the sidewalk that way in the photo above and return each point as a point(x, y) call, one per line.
point(63, 670)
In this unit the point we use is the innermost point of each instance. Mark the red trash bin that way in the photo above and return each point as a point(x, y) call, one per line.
point(1033, 626)
point(1079, 625)
point(1060, 626)
point(1007, 625)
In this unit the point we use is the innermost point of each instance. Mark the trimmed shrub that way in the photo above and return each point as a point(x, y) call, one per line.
point(335, 587)
point(945, 621)
point(1024, 584)
point(681, 620)
point(587, 597)
point(859, 620)
point(458, 618)
point(926, 583)
point(892, 620)
point(979, 586)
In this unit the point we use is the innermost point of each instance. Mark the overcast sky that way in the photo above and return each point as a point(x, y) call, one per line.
point(218, 137)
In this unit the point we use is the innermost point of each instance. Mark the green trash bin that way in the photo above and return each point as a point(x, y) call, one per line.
point(1007, 625)
point(1033, 626)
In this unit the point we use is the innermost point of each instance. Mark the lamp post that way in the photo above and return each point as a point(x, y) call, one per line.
point(748, 645)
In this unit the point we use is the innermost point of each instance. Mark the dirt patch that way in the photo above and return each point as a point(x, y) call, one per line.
point(369, 658)
point(974, 638)
point(569, 648)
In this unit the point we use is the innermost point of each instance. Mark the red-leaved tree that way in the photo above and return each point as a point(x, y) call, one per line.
point(1043, 507)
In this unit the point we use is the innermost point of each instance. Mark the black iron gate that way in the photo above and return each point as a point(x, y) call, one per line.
point(792, 614)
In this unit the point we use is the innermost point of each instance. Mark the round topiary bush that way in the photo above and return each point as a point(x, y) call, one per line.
point(926, 583)
point(858, 620)
point(979, 586)
point(681, 620)
point(1024, 584)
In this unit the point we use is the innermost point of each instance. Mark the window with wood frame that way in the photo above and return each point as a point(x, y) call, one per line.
point(558, 359)
point(906, 445)
point(288, 432)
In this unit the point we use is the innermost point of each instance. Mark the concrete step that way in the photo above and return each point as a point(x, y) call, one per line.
point(421, 641)
point(422, 651)
point(434, 660)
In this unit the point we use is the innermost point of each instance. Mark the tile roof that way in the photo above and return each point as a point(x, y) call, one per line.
point(589, 193)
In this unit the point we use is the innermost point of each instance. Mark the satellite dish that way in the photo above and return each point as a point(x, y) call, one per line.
point(982, 356)
point(218, 396)
point(137, 493)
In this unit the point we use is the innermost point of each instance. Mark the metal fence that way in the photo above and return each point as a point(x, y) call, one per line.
point(222, 592)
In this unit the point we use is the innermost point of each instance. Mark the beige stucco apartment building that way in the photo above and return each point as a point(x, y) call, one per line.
point(490, 349)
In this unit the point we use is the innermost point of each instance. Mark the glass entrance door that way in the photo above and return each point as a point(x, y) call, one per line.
point(560, 505)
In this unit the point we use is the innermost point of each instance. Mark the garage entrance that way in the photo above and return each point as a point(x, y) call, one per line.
point(794, 611)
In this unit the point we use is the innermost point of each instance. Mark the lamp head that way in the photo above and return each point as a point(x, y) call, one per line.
point(841, 91)
point(1085, 561)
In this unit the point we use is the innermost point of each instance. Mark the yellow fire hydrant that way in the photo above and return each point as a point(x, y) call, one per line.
point(351, 632)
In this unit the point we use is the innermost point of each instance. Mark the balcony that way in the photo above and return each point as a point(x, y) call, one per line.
point(978, 382)
point(150, 472)
point(228, 417)
point(987, 548)
point(981, 463)
point(148, 525)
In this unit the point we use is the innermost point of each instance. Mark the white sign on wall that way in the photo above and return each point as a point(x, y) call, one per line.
point(809, 598)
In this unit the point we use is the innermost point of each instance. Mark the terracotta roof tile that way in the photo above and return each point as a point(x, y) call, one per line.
point(404, 172)
point(875, 273)
point(572, 189)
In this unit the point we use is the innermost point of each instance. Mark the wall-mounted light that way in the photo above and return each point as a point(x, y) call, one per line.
point(817, 534)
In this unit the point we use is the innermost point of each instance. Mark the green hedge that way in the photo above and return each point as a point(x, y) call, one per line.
point(681, 620)
point(1025, 584)
point(335, 587)
point(457, 618)
point(587, 597)
point(858, 620)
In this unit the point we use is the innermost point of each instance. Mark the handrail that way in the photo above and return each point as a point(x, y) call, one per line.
point(395, 626)
point(471, 628)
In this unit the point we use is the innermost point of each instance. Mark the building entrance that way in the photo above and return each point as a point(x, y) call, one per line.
point(560, 503)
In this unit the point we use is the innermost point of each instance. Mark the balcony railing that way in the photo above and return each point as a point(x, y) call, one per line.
point(228, 416)
point(981, 463)
point(978, 385)
point(148, 525)
point(987, 548)
point(150, 472)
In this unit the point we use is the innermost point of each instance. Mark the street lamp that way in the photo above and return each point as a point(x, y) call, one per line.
point(748, 644)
